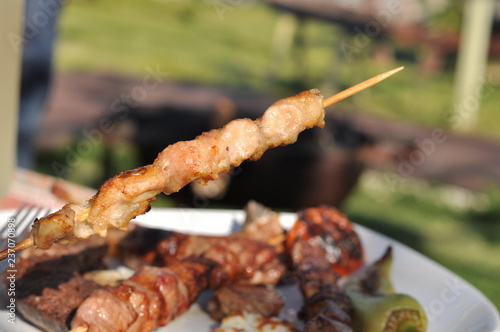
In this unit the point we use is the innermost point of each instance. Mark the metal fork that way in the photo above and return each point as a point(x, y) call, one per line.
point(16, 228)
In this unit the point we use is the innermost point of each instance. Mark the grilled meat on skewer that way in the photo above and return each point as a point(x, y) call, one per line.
point(236, 258)
point(322, 245)
point(152, 297)
point(129, 194)
point(239, 256)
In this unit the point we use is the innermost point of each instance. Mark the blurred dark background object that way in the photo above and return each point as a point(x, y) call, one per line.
point(37, 44)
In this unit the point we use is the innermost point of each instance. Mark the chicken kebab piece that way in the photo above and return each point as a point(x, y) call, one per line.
point(129, 194)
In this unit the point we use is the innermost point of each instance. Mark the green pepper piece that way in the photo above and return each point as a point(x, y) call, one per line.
point(377, 307)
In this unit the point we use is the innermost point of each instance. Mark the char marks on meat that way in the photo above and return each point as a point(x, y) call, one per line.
point(242, 255)
point(152, 297)
point(49, 285)
point(235, 299)
point(129, 194)
point(322, 245)
point(234, 257)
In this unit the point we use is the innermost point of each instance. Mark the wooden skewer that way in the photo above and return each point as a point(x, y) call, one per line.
point(358, 87)
point(327, 102)
point(18, 247)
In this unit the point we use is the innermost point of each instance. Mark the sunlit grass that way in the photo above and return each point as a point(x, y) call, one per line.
point(193, 41)
point(455, 236)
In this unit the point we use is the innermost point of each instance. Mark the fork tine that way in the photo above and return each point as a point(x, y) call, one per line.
point(15, 216)
point(23, 219)
point(4, 231)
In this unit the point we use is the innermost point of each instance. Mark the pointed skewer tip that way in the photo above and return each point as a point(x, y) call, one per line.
point(360, 86)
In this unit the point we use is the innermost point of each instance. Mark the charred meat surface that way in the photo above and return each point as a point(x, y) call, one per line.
point(330, 234)
point(235, 299)
point(235, 256)
point(246, 254)
point(323, 246)
point(323, 323)
point(50, 287)
point(152, 297)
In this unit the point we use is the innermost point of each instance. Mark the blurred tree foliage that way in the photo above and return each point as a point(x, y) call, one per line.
point(447, 19)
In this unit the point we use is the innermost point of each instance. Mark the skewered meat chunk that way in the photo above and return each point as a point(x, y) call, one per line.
point(330, 302)
point(235, 257)
point(152, 297)
point(323, 245)
point(104, 311)
point(329, 234)
point(129, 194)
point(323, 297)
point(234, 299)
point(241, 255)
point(323, 323)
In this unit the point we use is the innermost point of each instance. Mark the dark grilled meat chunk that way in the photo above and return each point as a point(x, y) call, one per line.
point(49, 285)
point(140, 246)
point(52, 308)
point(234, 299)
point(152, 297)
point(236, 257)
point(323, 323)
point(330, 302)
point(323, 246)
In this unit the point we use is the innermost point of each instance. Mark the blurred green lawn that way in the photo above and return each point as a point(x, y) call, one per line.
point(194, 41)
point(456, 228)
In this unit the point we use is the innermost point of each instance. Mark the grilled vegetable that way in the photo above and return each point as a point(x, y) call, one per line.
point(377, 307)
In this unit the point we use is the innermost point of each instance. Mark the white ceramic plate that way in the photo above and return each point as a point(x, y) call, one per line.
point(451, 303)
